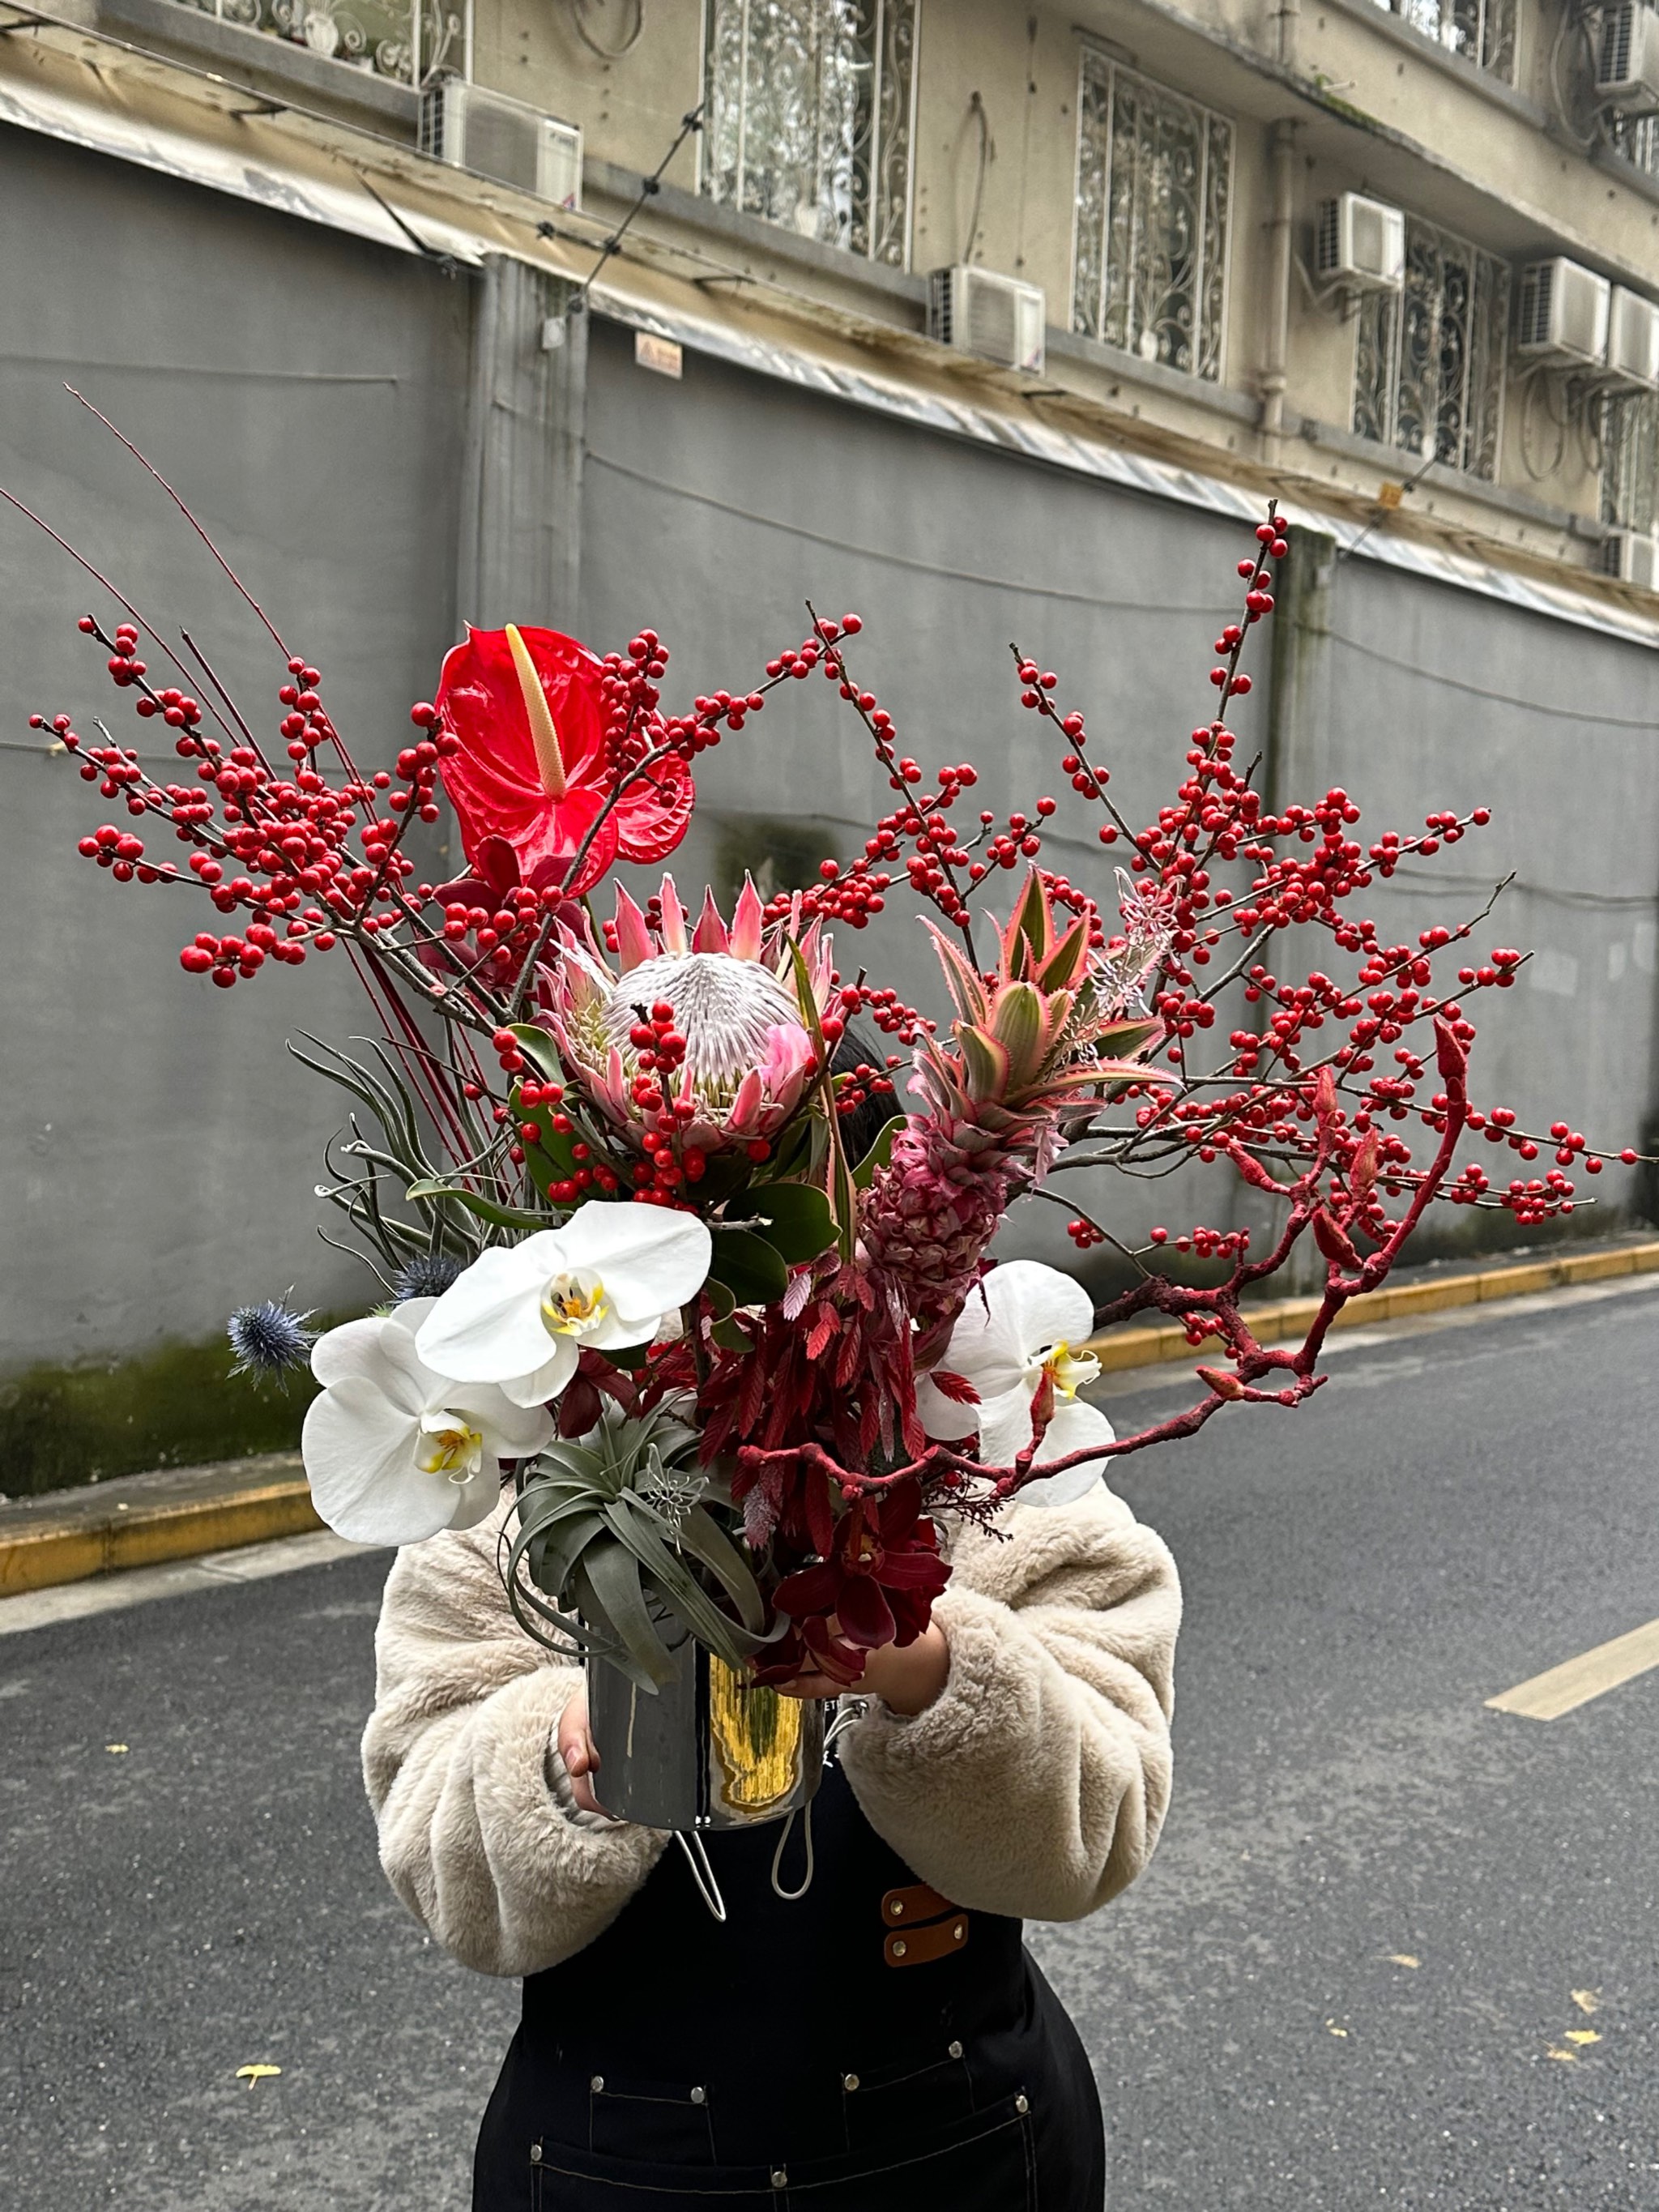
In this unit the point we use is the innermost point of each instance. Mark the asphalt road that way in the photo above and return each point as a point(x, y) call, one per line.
point(1348, 1980)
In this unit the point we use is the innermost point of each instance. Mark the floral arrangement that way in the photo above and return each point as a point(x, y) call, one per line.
point(663, 1241)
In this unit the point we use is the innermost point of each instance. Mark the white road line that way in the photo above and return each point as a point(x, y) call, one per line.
point(138, 1585)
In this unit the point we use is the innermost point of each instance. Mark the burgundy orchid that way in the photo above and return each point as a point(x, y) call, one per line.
point(880, 1575)
point(535, 766)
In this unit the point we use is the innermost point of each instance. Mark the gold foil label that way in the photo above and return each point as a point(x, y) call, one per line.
point(756, 1735)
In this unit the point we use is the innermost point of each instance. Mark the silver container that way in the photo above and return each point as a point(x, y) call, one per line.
point(708, 1751)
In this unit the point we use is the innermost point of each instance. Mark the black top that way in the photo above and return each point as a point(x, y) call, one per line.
point(678, 2057)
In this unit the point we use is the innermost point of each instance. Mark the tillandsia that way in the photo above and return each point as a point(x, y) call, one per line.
point(663, 1241)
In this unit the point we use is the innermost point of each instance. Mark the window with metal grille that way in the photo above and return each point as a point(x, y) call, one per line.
point(1630, 461)
point(811, 116)
point(409, 40)
point(1482, 31)
point(1154, 208)
point(1429, 360)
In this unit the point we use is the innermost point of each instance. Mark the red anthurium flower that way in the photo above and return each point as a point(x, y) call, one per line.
point(528, 707)
point(879, 1579)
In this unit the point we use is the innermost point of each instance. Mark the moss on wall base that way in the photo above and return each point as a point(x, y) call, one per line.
point(177, 1406)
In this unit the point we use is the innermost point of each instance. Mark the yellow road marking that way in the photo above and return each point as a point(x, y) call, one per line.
point(1576, 1682)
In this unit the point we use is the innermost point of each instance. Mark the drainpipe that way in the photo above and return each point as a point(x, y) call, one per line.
point(1287, 23)
point(1281, 156)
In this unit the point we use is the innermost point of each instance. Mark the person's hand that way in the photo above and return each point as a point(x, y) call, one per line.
point(906, 1679)
point(579, 1754)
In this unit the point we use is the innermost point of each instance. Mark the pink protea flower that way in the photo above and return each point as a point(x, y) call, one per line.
point(697, 1039)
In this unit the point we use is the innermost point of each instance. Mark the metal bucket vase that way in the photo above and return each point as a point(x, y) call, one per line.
point(708, 1751)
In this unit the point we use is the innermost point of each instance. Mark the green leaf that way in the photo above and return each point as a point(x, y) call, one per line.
point(503, 1217)
point(985, 1062)
point(554, 1551)
point(844, 1199)
point(750, 1268)
point(539, 1049)
point(794, 1217)
point(701, 1535)
point(879, 1154)
point(612, 1576)
point(730, 1335)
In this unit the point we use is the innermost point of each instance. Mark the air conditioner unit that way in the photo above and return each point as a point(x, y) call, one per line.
point(1361, 244)
point(1564, 314)
point(1632, 339)
point(997, 318)
point(1632, 555)
point(495, 136)
point(1627, 59)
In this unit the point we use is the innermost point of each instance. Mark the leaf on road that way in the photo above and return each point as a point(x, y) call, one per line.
point(253, 2074)
point(1584, 2035)
point(1587, 1999)
point(1331, 2028)
point(1567, 2058)
point(116, 1747)
point(1403, 1958)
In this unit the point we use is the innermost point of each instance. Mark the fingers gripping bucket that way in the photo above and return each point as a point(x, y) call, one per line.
point(708, 1751)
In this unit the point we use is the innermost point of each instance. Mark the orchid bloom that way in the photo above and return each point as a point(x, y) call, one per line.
point(395, 1451)
point(528, 707)
point(522, 1314)
point(749, 1055)
point(1016, 1346)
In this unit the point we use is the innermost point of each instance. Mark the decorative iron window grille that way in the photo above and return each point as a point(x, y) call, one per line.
point(1429, 360)
point(1630, 461)
point(409, 40)
point(1635, 139)
point(1481, 30)
point(1154, 212)
point(810, 117)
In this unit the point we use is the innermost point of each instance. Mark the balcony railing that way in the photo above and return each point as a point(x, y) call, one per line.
point(408, 41)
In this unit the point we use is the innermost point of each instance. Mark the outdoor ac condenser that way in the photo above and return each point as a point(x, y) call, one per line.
point(997, 318)
point(1632, 339)
point(1627, 59)
point(1360, 243)
point(1564, 314)
point(1632, 555)
point(495, 136)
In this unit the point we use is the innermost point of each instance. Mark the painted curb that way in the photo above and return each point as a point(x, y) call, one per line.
point(70, 1551)
point(1289, 1318)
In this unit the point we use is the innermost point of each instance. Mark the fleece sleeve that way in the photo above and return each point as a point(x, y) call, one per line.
point(461, 1771)
point(1036, 1783)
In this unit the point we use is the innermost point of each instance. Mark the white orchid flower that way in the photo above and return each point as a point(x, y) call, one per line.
point(1018, 1330)
point(522, 1314)
point(394, 1452)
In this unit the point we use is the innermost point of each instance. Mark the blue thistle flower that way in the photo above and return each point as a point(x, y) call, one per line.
point(427, 1275)
point(270, 1338)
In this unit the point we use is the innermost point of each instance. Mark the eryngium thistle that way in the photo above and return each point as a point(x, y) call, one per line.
point(427, 1275)
point(270, 1338)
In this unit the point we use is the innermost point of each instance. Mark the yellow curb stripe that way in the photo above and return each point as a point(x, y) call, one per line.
point(1576, 1682)
point(1279, 1323)
point(38, 1559)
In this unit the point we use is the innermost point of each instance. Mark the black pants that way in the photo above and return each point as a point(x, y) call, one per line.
point(783, 2062)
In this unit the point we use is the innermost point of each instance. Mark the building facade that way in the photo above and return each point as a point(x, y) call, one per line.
point(606, 311)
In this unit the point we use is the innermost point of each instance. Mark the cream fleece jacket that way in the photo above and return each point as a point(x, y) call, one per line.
point(1036, 1785)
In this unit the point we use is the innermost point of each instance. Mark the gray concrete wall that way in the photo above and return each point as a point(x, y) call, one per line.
point(306, 393)
point(311, 396)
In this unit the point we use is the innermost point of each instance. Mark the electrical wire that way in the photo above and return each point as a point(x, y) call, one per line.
point(1217, 612)
point(976, 109)
point(579, 7)
point(1368, 651)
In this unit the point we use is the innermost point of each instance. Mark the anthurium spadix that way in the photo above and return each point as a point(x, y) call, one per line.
point(394, 1452)
point(1017, 1345)
point(522, 1314)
